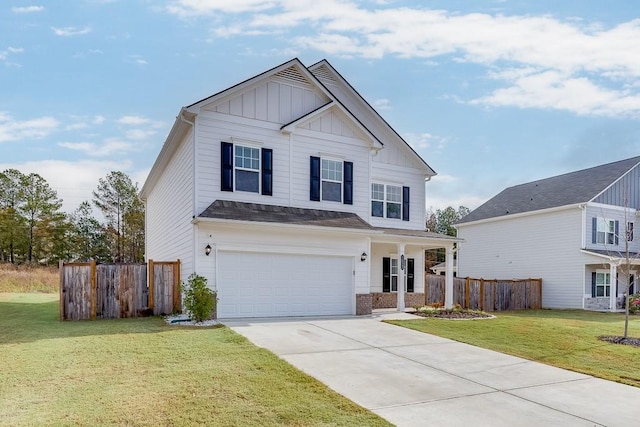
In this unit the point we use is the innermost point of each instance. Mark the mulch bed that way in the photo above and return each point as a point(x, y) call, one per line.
point(455, 315)
point(620, 340)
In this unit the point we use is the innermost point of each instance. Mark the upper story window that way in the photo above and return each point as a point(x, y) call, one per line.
point(386, 201)
point(331, 180)
point(247, 168)
point(606, 231)
point(630, 231)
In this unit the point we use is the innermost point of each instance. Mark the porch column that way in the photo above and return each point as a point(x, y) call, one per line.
point(613, 291)
point(448, 287)
point(401, 275)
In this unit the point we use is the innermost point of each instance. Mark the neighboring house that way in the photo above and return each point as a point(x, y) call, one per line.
point(292, 196)
point(441, 268)
point(569, 230)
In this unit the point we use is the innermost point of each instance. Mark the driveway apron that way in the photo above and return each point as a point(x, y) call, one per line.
point(411, 378)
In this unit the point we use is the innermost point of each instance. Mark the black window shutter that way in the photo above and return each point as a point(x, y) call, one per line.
point(594, 229)
point(593, 284)
point(386, 274)
point(227, 167)
point(410, 274)
point(348, 183)
point(405, 203)
point(267, 171)
point(314, 179)
point(617, 231)
point(630, 232)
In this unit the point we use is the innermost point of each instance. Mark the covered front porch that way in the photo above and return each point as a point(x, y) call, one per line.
point(609, 280)
point(397, 269)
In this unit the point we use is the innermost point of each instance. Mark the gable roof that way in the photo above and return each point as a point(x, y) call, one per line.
point(568, 189)
point(324, 70)
point(294, 69)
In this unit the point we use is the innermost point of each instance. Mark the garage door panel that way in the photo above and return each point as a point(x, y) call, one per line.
point(265, 285)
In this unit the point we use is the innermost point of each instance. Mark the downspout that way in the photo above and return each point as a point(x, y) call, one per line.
point(583, 243)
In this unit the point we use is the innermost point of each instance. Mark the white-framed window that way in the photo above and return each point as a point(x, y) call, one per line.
point(331, 180)
point(386, 201)
point(394, 274)
point(606, 231)
point(603, 283)
point(247, 168)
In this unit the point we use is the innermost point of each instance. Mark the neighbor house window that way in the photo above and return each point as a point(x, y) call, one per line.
point(603, 284)
point(386, 201)
point(331, 180)
point(247, 168)
point(630, 231)
point(606, 231)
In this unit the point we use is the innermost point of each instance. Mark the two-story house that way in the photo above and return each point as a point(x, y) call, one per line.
point(573, 231)
point(293, 197)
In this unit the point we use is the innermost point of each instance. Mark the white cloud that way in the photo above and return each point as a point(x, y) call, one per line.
point(133, 120)
point(5, 54)
point(73, 181)
point(137, 59)
point(27, 9)
point(425, 141)
point(109, 147)
point(70, 31)
point(139, 134)
point(186, 8)
point(535, 60)
point(382, 104)
point(12, 130)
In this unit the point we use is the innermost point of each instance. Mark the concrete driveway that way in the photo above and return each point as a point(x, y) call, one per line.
point(411, 378)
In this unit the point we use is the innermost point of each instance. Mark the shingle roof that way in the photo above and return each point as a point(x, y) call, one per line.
point(240, 211)
point(567, 189)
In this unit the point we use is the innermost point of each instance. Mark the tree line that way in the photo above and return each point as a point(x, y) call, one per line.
point(33, 229)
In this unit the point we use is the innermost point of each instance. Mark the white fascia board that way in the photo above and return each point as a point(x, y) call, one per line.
point(258, 224)
point(610, 207)
point(290, 127)
point(520, 215)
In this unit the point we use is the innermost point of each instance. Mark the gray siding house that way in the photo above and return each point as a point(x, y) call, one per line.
point(573, 231)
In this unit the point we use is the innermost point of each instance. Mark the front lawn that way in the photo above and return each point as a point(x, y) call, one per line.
point(144, 372)
point(564, 338)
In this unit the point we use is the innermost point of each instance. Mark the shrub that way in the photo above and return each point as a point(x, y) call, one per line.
point(199, 300)
point(634, 303)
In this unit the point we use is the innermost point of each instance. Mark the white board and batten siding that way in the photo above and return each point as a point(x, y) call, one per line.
point(169, 210)
point(541, 245)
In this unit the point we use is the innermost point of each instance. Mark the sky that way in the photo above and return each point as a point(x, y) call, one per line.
point(491, 93)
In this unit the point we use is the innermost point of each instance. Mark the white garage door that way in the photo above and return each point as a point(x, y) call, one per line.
point(270, 285)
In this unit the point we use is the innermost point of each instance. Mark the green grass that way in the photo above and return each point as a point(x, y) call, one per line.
point(564, 338)
point(144, 372)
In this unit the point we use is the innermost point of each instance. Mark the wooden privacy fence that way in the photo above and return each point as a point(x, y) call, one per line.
point(109, 291)
point(486, 295)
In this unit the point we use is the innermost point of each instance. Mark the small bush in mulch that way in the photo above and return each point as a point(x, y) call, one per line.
point(456, 313)
point(620, 340)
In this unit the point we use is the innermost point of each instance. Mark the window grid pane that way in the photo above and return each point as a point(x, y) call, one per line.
point(377, 192)
point(394, 194)
point(331, 170)
point(247, 157)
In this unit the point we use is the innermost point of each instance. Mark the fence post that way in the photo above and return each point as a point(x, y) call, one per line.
point(481, 299)
point(467, 291)
point(61, 272)
point(94, 289)
point(177, 298)
point(540, 292)
point(150, 279)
